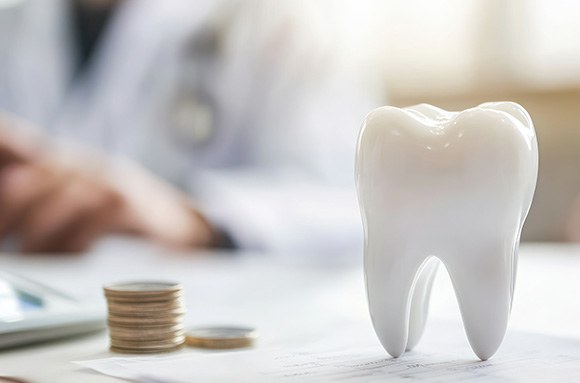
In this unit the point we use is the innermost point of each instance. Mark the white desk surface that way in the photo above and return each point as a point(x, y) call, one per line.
point(281, 298)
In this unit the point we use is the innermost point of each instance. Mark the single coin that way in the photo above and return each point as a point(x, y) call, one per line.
point(149, 298)
point(147, 314)
point(146, 327)
point(144, 321)
point(141, 330)
point(121, 350)
point(130, 317)
point(144, 324)
point(147, 344)
point(221, 337)
point(141, 288)
point(146, 336)
point(150, 336)
point(146, 306)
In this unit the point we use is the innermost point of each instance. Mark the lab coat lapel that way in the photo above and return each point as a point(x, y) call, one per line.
point(90, 105)
point(107, 103)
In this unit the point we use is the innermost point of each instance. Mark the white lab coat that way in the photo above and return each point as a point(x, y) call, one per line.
point(282, 97)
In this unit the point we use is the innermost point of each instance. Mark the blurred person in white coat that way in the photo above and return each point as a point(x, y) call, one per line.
point(191, 123)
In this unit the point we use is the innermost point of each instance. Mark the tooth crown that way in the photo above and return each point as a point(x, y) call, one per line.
point(450, 187)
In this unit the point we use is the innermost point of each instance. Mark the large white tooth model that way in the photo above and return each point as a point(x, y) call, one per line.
point(451, 187)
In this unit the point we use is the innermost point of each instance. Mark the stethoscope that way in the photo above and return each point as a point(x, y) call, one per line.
point(194, 116)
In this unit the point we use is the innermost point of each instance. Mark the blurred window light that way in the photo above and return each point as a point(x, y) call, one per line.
point(428, 44)
point(546, 33)
point(457, 45)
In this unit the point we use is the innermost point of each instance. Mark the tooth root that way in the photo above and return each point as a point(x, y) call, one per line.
point(420, 302)
point(483, 286)
point(390, 271)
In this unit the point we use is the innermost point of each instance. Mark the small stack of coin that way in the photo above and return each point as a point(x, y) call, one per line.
point(145, 317)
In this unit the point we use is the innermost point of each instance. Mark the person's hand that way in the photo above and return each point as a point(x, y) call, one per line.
point(54, 199)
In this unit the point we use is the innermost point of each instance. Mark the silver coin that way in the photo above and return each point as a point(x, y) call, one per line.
point(145, 331)
point(146, 314)
point(221, 337)
point(147, 343)
point(146, 306)
point(143, 322)
point(122, 350)
point(145, 335)
point(142, 287)
point(150, 298)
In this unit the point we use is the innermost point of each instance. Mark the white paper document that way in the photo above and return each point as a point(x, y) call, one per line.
point(355, 356)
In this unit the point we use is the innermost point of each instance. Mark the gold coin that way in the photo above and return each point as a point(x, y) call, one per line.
point(221, 337)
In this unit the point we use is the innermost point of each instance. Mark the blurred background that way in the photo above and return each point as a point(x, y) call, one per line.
point(247, 106)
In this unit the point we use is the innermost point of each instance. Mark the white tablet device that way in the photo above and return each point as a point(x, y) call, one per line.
point(31, 312)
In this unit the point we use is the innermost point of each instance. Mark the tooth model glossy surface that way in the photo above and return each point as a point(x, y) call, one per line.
point(444, 187)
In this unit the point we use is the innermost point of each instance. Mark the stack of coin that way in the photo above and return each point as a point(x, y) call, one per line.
point(145, 317)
